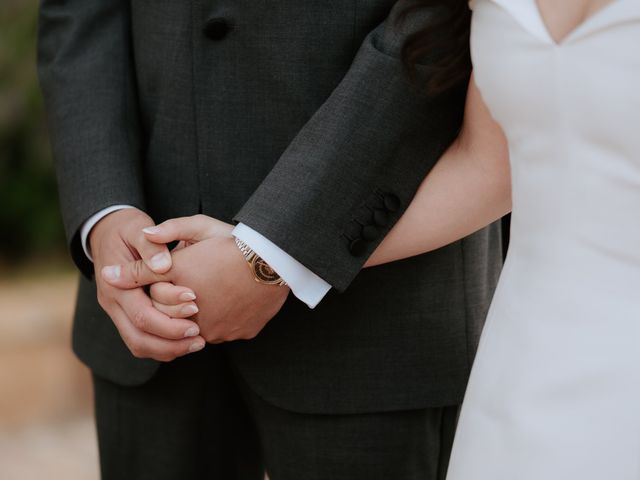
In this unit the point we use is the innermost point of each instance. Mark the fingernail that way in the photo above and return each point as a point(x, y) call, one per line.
point(190, 310)
point(196, 346)
point(192, 332)
point(160, 261)
point(112, 272)
point(187, 297)
point(151, 230)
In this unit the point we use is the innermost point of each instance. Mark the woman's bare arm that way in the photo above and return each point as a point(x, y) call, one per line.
point(469, 188)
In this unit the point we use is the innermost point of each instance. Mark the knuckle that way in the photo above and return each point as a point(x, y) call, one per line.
point(248, 335)
point(140, 320)
point(138, 354)
point(136, 271)
point(102, 300)
point(230, 337)
point(136, 349)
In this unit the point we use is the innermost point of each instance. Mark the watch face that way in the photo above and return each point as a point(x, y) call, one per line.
point(264, 273)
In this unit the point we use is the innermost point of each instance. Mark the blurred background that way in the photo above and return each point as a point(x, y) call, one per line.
point(46, 430)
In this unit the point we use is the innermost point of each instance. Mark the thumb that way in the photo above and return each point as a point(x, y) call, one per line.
point(131, 275)
point(188, 229)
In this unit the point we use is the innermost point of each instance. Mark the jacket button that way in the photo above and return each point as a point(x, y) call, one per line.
point(358, 247)
point(363, 215)
point(370, 232)
point(216, 28)
point(353, 230)
point(391, 202)
point(381, 218)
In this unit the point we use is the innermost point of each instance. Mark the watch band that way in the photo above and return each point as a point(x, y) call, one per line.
point(262, 271)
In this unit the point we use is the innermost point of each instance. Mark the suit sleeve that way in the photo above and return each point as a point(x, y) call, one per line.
point(352, 170)
point(86, 75)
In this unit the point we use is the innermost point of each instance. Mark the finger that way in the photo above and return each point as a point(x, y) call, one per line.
point(145, 345)
point(189, 229)
point(131, 275)
point(181, 244)
point(139, 310)
point(167, 350)
point(183, 310)
point(155, 256)
point(170, 294)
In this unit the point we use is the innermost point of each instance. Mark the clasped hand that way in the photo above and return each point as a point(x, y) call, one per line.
point(202, 291)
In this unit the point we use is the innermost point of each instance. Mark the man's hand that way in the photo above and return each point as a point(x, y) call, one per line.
point(232, 304)
point(148, 333)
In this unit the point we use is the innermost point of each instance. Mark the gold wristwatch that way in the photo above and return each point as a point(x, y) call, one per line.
point(262, 271)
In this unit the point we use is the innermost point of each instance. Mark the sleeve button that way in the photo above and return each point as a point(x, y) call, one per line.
point(353, 230)
point(358, 247)
point(392, 202)
point(363, 215)
point(381, 218)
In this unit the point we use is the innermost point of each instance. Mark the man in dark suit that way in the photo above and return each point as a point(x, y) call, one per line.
point(296, 120)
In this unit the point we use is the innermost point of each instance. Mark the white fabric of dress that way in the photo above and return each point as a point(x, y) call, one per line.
point(555, 390)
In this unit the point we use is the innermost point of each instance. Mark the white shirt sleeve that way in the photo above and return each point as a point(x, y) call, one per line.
point(93, 220)
point(305, 285)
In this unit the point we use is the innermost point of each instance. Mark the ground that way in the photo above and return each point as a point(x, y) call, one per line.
point(46, 430)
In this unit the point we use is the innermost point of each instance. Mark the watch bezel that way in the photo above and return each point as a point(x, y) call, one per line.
point(272, 278)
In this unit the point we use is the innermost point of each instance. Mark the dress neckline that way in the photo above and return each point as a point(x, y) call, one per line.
point(528, 15)
point(569, 34)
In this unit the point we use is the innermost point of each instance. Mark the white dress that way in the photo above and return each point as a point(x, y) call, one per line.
point(555, 390)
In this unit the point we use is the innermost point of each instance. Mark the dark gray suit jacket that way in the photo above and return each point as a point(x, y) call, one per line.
point(296, 118)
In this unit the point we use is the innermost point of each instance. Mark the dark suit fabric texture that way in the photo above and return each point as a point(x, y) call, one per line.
point(189, 422)
point(297, 119)
point(405, 444)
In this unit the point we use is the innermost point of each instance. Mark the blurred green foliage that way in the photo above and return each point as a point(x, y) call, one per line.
point(30, 223)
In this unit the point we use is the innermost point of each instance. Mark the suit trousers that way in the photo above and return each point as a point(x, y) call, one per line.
point(189, 422)
point(400, 445)
point(198, 419)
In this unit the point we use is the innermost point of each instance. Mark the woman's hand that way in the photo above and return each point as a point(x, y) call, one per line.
point(188, 230)
point(173, 300)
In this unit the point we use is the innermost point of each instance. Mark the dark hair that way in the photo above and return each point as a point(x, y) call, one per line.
point(445, 41)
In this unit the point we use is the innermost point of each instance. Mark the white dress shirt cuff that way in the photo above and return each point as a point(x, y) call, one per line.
point(305, 285)
point(93, 220)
